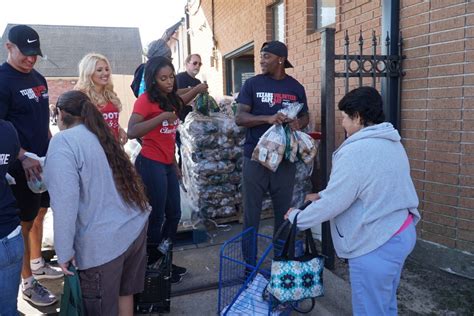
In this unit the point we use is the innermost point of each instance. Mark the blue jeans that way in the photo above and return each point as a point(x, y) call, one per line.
point(375, 276)
point(11, 257)
point(162, 187)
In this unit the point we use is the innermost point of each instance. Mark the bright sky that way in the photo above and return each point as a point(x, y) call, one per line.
point(152, 17)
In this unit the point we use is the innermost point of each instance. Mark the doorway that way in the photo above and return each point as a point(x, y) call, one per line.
point(239, 66)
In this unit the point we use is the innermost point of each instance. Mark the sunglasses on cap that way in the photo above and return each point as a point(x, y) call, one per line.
point(195, 63)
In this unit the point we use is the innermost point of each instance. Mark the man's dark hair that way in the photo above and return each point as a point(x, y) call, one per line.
point(365, 102)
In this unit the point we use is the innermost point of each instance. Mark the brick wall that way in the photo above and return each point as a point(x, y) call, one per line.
point(438, 116)
point(57, 86)
point(237, 23)
point(437, 98)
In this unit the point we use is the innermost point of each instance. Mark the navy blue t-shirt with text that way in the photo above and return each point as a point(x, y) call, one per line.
point(9, 148)
point(266, 96)
point(24, 102)
point(184, 80)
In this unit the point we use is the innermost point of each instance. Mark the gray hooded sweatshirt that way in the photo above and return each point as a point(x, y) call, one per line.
point(369, 194)
point(91, 220)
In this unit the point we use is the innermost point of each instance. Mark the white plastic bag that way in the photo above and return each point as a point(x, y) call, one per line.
point(270, 148)
point(10, 179)
point(292, 110)
point(132, 148)
point(35, 185)
point(250, 301)
point(307, 147)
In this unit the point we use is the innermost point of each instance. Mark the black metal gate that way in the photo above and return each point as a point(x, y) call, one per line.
point(360, 66)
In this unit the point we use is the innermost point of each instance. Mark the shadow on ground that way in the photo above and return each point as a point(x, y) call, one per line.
point(427, 290)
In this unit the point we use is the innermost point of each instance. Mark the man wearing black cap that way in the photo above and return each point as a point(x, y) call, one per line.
point(259, 101)
point(24, 102)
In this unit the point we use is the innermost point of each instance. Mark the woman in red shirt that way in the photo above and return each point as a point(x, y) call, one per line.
point(155, 120)
point(96, 82)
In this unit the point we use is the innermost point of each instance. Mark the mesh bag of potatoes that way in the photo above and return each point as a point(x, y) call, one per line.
point(270, 149)
point(307, 148)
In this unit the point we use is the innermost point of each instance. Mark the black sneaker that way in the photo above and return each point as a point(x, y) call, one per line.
point(178, 270)
point(176, 278)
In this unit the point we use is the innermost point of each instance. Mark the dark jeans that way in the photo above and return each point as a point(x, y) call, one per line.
point(11, 258)
point(162, 188)
point(258, 180)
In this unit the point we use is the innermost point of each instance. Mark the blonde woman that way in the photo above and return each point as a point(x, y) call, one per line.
point(96, 82)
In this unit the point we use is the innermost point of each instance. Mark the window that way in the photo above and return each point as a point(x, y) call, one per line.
point(239, 67)
point(278, 23)
point(324, 13)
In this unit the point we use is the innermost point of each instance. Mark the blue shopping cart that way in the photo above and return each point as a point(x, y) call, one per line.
point(245, 263)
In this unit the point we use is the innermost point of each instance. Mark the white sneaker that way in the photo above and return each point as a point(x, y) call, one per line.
point(39, 295)
point(47, 272)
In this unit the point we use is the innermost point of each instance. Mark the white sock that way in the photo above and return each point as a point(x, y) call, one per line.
point(37, 263)
point(27, 283)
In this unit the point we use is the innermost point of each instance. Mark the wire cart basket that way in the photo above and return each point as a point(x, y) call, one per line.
point(244, 259)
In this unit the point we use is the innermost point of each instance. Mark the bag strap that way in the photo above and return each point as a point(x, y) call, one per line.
point(280, 230)
point(310, 246)
point(76, 288)
point(66, 297)
point(288, 251)
point(289, 247)
point(297, 309)
point(72, 296)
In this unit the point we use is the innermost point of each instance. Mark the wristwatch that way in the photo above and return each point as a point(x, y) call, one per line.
point(22, 158)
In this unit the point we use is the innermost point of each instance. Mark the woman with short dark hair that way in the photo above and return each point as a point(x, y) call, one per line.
point(371, 203)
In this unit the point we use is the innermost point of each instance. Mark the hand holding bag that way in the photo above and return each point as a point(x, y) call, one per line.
point(293, 278)
point(71, 300)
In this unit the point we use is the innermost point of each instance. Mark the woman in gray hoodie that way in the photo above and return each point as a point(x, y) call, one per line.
point(100, 208)
point(371, 203)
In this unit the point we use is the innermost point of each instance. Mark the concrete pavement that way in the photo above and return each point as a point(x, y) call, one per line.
point(202, 260)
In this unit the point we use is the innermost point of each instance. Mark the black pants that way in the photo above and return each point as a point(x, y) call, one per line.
point(257, 180)
point(162, 190)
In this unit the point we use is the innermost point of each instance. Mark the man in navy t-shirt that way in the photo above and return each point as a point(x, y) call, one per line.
point(191, 86)
point(259, 101)
point(187, 81)
point(24, 102)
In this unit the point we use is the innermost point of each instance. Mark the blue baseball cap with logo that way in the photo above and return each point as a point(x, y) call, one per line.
point(26, 39)
point(277, 48)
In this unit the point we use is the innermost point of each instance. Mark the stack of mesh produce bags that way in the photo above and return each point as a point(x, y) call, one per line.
point(281, 143)
point(212, 156)
point(212, 162)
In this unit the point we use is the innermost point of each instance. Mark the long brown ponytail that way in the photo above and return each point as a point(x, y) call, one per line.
point(77, 106)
